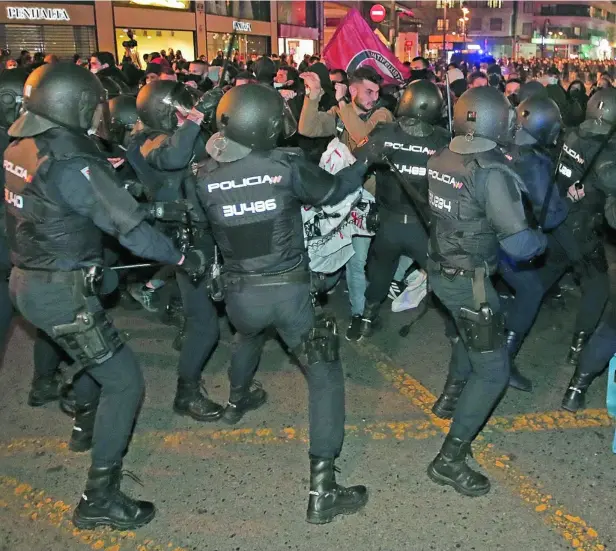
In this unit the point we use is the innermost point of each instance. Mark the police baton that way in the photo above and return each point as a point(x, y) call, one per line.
point(449, 113)
point(418, 202)
point(133, 266)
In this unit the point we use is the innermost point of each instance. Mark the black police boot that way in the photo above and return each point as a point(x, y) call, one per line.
point(192, 400)
point(43, 390)
point(577, 344)
point(103, 504)
point(449, 468)
point(516, 379)
point(327, 498)
point(180, 338)
point(575, 395)
point(83, 428)
point(448, 400)
point(242, 400)
point(369, 321)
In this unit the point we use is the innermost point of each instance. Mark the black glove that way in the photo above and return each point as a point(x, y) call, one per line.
point(135, 188)
point(170, 211)
point(195, 264)
point(208, 104)
point(369, 152)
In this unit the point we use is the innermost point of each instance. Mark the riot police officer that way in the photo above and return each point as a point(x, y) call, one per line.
point(44, 386)
point(123, 113)
point(596, 147)
point(408, 142)
point(577, 179)
point(476, 207)
point(61, 197)
point(252, 194)
point(162, 155)
point(539, 125)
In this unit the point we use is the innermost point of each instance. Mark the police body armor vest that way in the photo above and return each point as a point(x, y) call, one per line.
point(255, 217)
point(460, 235)
point(586, 201)
point(42, 231)
point(410, 155)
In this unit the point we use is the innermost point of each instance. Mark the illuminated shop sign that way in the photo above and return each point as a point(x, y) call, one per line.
point(37, 14)
point(242, 26)
point(174, 4)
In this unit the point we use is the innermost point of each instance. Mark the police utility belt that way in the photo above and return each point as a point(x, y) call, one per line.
point(482, 328)
point(398, 217)
point(91, 339)
point(238, 282)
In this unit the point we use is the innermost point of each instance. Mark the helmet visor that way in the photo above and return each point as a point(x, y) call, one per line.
point(101, 122)
point(181, 101)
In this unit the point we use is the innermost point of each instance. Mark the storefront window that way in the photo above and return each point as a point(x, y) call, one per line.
point(185, 5)
point(302, 14)
point(241, 9)
point(244, 45)
point(296, 47)
point(62, 40)
point(152, 40)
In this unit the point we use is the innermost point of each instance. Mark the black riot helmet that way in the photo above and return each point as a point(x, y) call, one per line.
point(421, 100)
point(123, 112)
point(62, 94)
point(255, 116)
point(540, 117)
point(532, 88)
point(602, 106)
point(484, 112)
point(160, 102)
point(11, 95)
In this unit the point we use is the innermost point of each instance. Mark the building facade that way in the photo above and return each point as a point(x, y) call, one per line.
point(194, 27)
point(566, 30)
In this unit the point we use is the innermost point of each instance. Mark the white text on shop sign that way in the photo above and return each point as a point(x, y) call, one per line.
point(33, 14)
point(242, 26)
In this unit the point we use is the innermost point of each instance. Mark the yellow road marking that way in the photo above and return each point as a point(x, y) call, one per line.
point(204, 439)
point(36, 505)
point(573, 528)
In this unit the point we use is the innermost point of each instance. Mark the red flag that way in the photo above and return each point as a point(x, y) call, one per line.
point(354, 45)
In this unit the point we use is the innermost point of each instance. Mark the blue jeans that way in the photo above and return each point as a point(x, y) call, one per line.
point(356, 274)
point(403, 265)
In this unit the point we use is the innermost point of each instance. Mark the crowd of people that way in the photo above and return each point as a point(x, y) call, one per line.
point(236, 177)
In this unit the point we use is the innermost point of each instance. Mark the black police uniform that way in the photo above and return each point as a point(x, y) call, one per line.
point(476, 206)
point(60, 199)
point(400, 231)
point(164, 162)
point(531, 280)
point(601, 346)
point(47, 356)
point(253, 206)
point(585, 221)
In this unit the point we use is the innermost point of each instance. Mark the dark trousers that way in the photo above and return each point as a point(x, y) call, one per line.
point(486, 373)
point(393, 239)
point(47, 355)
point(595, 287)
point(201, 329)
point(601, 346)
point(288, 309)
point(48, 304)
point(530, 285)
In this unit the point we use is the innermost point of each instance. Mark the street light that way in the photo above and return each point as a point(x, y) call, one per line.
point(464, 19)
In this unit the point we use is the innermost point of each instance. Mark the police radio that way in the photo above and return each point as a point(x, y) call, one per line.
point(216, 284)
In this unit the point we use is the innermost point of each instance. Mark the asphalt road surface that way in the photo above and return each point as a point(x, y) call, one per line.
point(245, 488)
